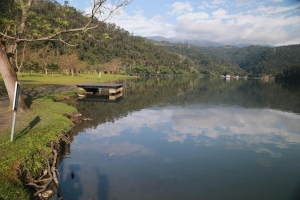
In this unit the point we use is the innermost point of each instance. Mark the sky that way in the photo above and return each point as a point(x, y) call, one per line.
point(273, 22)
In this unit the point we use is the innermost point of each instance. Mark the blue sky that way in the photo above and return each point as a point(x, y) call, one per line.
point(274, 22)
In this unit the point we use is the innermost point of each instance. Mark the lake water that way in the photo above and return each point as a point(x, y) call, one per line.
point(187, 138)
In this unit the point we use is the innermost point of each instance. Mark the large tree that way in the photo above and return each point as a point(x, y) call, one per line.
point(21, 22)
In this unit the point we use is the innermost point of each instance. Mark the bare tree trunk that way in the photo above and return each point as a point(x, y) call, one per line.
point(19, 71)
point(8, 74)
point(10, 78)
point(22, 60)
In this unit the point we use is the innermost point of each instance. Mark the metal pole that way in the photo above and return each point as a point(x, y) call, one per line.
point(13, 126)
point(15, 109)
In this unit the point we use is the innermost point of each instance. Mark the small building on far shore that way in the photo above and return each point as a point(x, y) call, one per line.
point(237, 77)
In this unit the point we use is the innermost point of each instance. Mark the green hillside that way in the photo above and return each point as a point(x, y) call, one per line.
point(208, 60)
point(107, 48)
point(111, 49)
point(252, 60)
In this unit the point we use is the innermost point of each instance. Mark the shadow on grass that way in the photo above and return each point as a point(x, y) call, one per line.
point(33, 92)
point(32, 75)
point(28, 81)
point(32, 124)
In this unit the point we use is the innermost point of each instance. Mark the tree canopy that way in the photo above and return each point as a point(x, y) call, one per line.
point(60, 33)
point(44, 20)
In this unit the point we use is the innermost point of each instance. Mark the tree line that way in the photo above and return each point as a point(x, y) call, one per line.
point(45, 23)
point(45, 36)
point(253, 60)
point(106, 48)
point(112, 49)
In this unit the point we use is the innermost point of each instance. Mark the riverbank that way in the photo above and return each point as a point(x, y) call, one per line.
point(35, 129)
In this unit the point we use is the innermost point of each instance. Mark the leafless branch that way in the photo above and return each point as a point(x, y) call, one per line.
point(96, 10)
point(61, 40)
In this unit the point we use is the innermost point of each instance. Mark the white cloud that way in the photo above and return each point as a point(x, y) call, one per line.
point(244, 2)
point(262, 24)
point(271, 10)
point(181, 7)
point(193, 16)
point(218, 2)
point(140, 25)
point(205, 5)
point(219, 12)
point(251, 27)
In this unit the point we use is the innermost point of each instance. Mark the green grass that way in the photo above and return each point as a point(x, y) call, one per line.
point(38, 78)
point(34, 131)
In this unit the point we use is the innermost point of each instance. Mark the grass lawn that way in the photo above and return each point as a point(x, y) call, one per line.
point(38, 78)
point(35, 129)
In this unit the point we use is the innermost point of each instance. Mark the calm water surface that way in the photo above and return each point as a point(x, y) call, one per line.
point(187, 139)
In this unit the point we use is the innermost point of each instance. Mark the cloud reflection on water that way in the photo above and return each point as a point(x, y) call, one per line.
point(122, 149)
point(209, 125)
point(252, 126)
point(114, 149)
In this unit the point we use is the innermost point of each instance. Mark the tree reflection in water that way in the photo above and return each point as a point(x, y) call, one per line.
point(189, 138)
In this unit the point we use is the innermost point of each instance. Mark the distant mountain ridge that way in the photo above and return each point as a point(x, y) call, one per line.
point(111, 49)
point(254, 60)
point(200, 42)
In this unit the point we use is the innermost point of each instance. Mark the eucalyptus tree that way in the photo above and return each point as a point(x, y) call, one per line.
point(22, 21)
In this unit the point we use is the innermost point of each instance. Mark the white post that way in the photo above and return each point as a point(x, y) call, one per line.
point(15, 109)
point(13, 126)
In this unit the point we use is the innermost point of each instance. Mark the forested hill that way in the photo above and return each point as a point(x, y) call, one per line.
point(253, 60)
point(208, 60)
point(266, 60)
point(109, 48)
point(263, 60)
